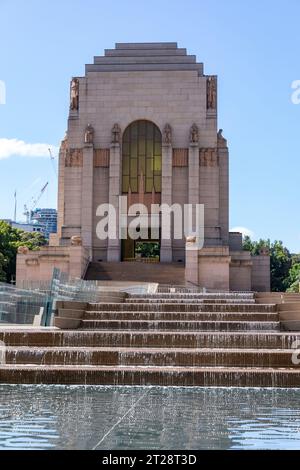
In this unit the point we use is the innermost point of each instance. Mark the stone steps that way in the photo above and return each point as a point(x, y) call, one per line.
point(188, 357)
point(190, 295)
point(174, 325)
point(141, 375)
point(181, 307)
point(158, 339)
point(198, 300)
point(136, 271)
point(184, 316)
point(149, 339)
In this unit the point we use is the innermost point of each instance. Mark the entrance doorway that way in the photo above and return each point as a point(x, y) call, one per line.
point(147, 251)
point(141, 182)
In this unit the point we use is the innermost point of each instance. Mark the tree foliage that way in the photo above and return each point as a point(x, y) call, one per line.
point(147, 249)
point(285, 267)
point(293, 279)
point(10, 240)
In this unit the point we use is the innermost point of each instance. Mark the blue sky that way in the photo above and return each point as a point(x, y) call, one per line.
point(253, 47)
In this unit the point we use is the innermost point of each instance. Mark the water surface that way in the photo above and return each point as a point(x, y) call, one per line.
point(83, 417)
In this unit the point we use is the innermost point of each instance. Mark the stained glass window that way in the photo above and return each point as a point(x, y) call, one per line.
point(141, 157)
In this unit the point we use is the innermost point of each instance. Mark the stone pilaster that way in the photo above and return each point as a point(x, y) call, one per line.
point(166, 197)
point(224, 189)
point(61, 188)
point(191, 260)
point(194, 173)
point(114, 245)
point(87, 196)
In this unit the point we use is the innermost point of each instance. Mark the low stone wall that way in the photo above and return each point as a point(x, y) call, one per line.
point(69, 313)
point(276, 297)
point(208, 267)
point(261, 273)
point(240, 271)
point(219, 268)
point(287, 305)
point(289, 316)
point(38, 265)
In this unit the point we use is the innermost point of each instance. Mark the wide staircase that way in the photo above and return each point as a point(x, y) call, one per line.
point(137, 271)
point(174, 337)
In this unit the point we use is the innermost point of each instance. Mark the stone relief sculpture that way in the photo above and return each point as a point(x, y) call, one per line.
point(194, 134)
point(89, 134)
point(167, 135)
point(180, 157)
point(74, 158)
point(209, 157)
point(74, 101)
point(211, 92)
point(76, 240)
point(214, 159)
point(116, 134)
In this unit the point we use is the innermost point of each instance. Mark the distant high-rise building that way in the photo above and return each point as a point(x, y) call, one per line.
point(47, 219)
point(27, 227)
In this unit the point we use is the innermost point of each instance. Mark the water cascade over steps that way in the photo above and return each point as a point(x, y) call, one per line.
point(174, 337)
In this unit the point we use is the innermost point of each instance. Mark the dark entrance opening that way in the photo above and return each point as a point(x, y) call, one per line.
point(147, 251)
point(141, 182)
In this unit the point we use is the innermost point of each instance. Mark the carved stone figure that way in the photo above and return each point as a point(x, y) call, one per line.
point(76, 240)
point(89, 134)
point(194, 134)
point(264, 251)
point(211, 92)
point(167, 135)
point(222, 142)
point(74, 101)
point(64, 142)
point(23, 250)
point(116, 134)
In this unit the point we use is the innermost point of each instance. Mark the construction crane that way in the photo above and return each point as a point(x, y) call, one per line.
point(52, 158)
point(28, 211)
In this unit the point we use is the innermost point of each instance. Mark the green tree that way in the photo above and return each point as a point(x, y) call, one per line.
point(280, 260)
point(293, 278)
point(2, 268)
point(147, 249)
point(10, 240)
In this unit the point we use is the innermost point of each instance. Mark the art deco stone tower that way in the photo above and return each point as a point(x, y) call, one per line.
point(143, 123)
point(157, 84)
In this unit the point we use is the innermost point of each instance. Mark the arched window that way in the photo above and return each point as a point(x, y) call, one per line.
point(141, 158)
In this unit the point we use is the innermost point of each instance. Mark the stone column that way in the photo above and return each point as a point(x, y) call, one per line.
point(87, 196)
point(191, 256)
point(224, 188)
point(61, 188)
point(166, 197)
point(194, 173)
point(114, 245)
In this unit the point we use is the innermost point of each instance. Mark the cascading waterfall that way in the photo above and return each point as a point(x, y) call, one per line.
point(168, 338)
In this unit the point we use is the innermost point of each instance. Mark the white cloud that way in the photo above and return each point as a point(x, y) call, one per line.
point(11, 147)
point(244, 230)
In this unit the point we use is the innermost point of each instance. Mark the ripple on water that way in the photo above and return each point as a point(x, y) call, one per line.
point(79, 417)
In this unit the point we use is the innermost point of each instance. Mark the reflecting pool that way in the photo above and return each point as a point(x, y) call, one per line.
point(87, 417)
